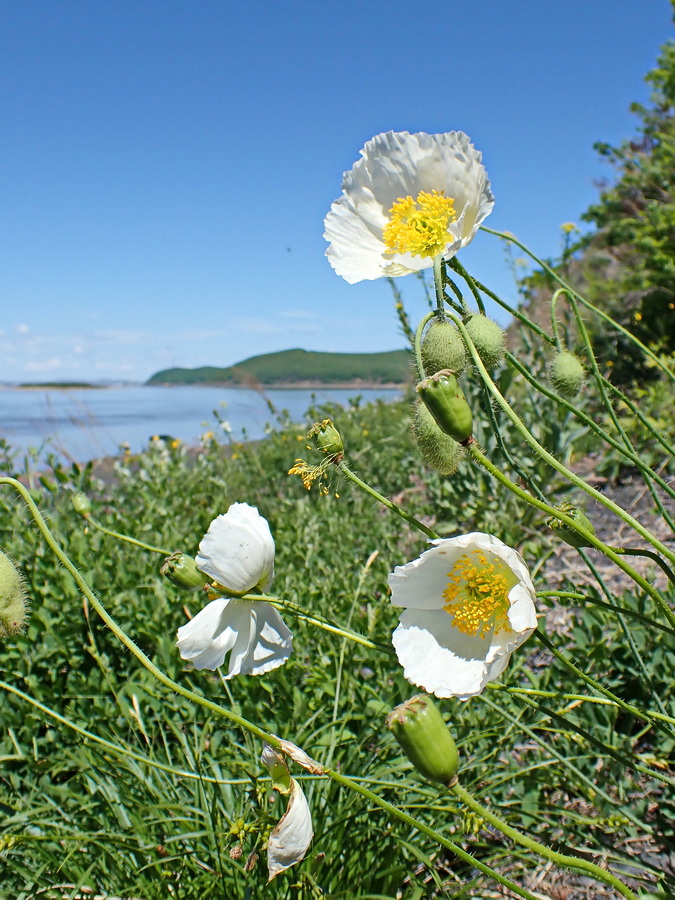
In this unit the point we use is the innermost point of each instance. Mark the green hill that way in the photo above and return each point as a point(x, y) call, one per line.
point(298, 367)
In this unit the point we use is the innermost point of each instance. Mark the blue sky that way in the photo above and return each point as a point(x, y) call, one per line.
point(166, 165)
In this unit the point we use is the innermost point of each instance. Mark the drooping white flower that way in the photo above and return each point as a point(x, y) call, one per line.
point(408, 199)
point(290, 839)
point(237, 553)
point(469, 603)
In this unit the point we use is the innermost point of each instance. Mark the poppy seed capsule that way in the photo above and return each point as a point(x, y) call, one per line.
point(568, 534)
point(488, 339)
point(443, 348)
point(438, 450)
point(182, 571)
point(12, 598)
point(425, 739)
point(327, 438)
point(566, 374)
point(445, 401)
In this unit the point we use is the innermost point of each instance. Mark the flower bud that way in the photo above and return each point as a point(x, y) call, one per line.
point(182, 571)
point(81, 504)
point(443, 348)
point(488, 339)
point(438, 450)
point(327, 438)
point(445, 401)
point(425, 739)
point(13, 607)
point(566, 532)
point(566, 374)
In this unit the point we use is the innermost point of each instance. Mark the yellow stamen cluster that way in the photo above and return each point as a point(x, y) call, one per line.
point(309, 474)
point(477, 595)
point(419, 226)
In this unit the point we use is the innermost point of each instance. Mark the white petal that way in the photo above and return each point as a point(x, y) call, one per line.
point(208, 638)
point(263, 645)
point(290, 840)
point(252, 632)
point(420, 584)
point(395, 165)
point(437, 657)
point(238, 550)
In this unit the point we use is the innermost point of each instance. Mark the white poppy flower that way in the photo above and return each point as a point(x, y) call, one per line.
point(469, 603)
point(290, 839)
point(408, 199)
point(237, 552)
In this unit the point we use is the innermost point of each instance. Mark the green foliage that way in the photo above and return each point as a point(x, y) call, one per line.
point(298, 366)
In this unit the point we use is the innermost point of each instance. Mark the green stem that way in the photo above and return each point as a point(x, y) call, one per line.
point(622, 610)
point(548, 457)
point(417, 344)
point(482, 459)
point(394, 507)
point(570, 290)
point(438, 283)
point(324, 624)
point(125, 537)
point(554, 320)
point(587, 420)
point(559, 859)
point(459, 268)
point(636, 551)
point(653, 718)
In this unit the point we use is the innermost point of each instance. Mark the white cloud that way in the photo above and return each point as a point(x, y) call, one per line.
point(22, 329)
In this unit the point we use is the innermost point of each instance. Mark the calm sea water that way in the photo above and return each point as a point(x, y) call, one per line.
point(85, 424)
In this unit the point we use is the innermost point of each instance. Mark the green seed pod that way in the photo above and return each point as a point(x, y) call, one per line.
point(445, 401)
point(13, 607)
point(566, 374)
point(182, 571)
point(443, 348)
point(438, 450)
point(81, 504)
point(425, 739)
point(568, 534)
point(488, 338)
point(327, 439)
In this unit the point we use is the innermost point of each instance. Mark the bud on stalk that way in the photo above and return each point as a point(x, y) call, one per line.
point(182, 571)
point(425, 739)
point(445, 401)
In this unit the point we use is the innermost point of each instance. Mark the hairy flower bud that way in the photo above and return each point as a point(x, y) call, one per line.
point(445, 401)
point(566, 374)
point(488, 338)
point(438, 450)
point(13, 609)
point(567, 533)
point(182, 571)
point(425, 739)
point(327, 439)
point(443, 348)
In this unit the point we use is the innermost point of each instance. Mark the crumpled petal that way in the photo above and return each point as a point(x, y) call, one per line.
point(289, 841)
point(435, 654)
point(252, 632)
point(237, 551)
point(394, 165)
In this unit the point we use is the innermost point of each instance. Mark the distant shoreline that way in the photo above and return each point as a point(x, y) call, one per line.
point(278, 386)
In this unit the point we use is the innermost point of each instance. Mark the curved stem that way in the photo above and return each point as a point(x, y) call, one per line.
point(125, 537)
point(459, 268)
point(570, 290)
point(554, 320)
point(482, 459)
point(560, 859)
point(548, 457)
point(394, 507)
point(636, 551)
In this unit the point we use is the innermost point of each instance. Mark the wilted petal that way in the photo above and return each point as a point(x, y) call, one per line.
point(290, 839)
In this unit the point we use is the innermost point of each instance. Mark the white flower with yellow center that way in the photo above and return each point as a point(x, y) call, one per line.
point(408, 199)
point(469, 603)
point(237, 554)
